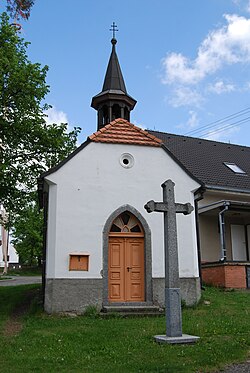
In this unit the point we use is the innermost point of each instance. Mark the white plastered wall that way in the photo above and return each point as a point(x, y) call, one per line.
point(92, 185)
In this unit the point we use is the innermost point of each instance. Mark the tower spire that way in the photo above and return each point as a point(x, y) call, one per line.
point(113, 101)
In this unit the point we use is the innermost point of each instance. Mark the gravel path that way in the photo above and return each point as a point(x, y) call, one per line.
point(237, 368)
point(21, 280)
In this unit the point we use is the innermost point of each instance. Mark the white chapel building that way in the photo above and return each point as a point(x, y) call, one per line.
point(101, 246)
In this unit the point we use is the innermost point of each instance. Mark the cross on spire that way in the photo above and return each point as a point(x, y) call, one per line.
point(114, 29)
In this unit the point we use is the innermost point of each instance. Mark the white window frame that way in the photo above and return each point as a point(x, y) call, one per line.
point(236, 169)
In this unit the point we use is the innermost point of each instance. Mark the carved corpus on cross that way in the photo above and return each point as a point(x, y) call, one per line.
point(172, 280)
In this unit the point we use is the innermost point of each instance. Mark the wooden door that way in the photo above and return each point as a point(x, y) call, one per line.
point(126, 269)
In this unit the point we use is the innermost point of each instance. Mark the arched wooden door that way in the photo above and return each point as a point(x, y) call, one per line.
point(126, 260)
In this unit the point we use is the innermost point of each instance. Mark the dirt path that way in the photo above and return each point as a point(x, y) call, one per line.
point(237, 368)
point(14, 324)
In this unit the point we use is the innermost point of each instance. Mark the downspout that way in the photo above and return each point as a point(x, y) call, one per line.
point(222, 232)
point(198, 197)
point(45, 227)
point(43, 204)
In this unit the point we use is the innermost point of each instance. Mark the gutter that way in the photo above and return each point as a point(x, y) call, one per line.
point(43, 204)
point(197, 197)
point(227, 189)
point(222, 232)
point(234, 204)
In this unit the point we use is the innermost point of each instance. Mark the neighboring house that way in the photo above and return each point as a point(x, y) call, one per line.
point(224, 210)
point(102, 247)
point(12, 257)
point(8, 254)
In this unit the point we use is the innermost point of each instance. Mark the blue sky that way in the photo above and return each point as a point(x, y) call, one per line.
point(186, 62)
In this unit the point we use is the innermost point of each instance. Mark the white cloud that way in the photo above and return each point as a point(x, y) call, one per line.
point(179, 69)
point(243, 5)
point(193, 120)
point(220, 87)
point(138, 124)
point(184, 96)
point(248, 6)
point(246, 86)
point(229, 44)
point(223, 135)
point(55, 116)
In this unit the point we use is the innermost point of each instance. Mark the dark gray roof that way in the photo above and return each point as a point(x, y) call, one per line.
point(204, 159)
point(113, 79)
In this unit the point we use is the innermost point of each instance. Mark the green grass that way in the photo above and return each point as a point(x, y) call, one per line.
point(92, 344)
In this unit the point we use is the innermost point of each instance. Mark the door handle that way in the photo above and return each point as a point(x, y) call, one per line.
point(128, 268)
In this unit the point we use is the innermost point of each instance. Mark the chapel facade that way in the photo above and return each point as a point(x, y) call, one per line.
point(101, 247)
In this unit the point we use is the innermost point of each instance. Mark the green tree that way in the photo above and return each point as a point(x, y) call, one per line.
point(28, 145)
point(19, 8)
point(27, 234)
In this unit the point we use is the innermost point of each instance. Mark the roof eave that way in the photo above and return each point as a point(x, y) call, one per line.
point(232, 205)
point(112, 96)
point(226, 189)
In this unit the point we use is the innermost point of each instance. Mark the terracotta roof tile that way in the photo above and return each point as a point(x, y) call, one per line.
point(120, 131)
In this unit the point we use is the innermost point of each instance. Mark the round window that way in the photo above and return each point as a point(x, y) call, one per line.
point(127, 160)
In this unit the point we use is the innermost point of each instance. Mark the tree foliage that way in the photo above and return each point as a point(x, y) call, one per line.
point(27, 235)
point(28, 145)
point(19, 8)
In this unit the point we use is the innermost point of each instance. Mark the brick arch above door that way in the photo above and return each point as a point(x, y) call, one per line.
point(148, 252)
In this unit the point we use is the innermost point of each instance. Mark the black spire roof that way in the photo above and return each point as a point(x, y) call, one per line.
point(113, 80)
point(113, 101)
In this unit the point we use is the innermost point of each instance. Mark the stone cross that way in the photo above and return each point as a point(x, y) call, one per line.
point(172, 281)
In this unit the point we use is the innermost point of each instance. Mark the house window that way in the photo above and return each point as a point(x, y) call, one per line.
point(233, 167)
point(79, 262)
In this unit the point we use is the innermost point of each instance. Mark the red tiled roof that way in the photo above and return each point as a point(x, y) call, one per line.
point(120, 131)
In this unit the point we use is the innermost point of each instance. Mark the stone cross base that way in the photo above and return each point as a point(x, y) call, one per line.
point(185, 338)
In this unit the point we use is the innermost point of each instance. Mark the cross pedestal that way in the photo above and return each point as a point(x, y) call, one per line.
point(172, 280)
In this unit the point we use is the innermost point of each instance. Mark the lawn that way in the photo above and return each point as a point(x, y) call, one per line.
point(93, 344)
